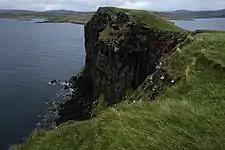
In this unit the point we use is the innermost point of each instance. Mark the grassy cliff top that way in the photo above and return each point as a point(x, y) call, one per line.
point(147, 19)
point(190, 115)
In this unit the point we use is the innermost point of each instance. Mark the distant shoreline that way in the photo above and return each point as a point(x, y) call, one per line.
point(73, 22)
point(80, 20)
point(83, 22)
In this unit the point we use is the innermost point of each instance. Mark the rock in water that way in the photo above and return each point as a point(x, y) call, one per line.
point(123, 47)
point(53, 82)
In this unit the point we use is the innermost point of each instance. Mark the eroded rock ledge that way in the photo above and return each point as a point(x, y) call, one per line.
point(122, 51)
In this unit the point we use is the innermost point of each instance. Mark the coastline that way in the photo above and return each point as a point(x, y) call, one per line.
point(73, 22)
point(48, 120)
point(47, 20)
point(163, 86)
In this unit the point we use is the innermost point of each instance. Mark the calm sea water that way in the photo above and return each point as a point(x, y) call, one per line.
point(208, 24)
point(31, 55)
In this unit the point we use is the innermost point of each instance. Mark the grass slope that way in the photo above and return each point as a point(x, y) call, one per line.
point(148, 19)
point(189, 115)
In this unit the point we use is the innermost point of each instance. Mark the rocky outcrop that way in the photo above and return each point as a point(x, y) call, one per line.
point(121, 53)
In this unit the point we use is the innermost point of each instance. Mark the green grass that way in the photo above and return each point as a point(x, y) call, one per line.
point(148, 19)
point(190, 115)
point(141, 18)
point(102, 105)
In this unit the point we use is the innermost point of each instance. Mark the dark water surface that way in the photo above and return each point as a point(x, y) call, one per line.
point(203, 24)
point(30, 55)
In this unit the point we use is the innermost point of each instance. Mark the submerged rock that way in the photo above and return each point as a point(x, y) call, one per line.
point(48, 120)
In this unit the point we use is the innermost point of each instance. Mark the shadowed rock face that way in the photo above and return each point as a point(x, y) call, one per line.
point(120, 54)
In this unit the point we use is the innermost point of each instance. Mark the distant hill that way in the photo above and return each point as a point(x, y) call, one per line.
point(15, 11)
point(61, 12)
point(66, 12)
point(180, 11)
point(197, 14)
point(56, 16)
point(49, 12)
point(83, 17)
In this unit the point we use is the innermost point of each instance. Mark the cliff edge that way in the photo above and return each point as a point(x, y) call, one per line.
point(123, 47)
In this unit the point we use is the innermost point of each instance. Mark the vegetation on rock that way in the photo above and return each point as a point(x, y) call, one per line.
point(148, 19)
point(121, 52)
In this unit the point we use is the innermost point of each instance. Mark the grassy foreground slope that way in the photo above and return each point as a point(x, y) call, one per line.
point(190, 115)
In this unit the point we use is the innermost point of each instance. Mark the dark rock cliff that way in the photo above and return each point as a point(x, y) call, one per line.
point(121, 53)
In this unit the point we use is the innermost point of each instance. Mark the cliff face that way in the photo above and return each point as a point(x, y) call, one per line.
point(122, 50)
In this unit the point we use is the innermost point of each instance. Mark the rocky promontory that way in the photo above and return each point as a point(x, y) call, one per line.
point(123, 47)
point(146, 84)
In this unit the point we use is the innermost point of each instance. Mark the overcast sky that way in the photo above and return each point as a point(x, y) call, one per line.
point(90, 5)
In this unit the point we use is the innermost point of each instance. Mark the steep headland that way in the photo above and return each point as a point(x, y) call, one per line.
point(132, 58)
point(122, 48)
